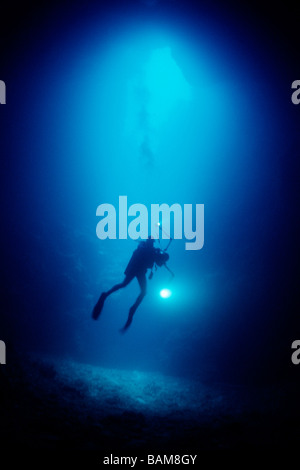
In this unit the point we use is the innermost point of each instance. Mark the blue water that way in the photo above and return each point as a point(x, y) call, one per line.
point(163, 110)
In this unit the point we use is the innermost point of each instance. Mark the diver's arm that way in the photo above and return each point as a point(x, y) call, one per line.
point(171, 272)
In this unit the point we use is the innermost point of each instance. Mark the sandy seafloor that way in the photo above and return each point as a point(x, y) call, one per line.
point(49, 403)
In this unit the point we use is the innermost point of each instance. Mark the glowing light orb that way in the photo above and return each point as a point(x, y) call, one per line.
point(165, 293)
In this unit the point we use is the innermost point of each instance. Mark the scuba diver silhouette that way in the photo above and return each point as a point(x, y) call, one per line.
point(146, 256)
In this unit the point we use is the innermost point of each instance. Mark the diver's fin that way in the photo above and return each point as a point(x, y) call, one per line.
point(129, 320)
point(125, 327)
point(99, 306)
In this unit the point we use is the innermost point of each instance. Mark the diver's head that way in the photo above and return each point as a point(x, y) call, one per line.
point(165, 257)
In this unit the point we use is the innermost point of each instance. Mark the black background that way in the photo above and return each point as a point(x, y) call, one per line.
point(25, 29)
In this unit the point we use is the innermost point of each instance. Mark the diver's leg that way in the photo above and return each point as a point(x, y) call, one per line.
point(99, 305)
point(126, 281)
point(143, 286)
